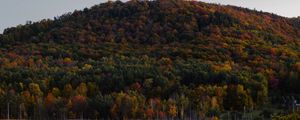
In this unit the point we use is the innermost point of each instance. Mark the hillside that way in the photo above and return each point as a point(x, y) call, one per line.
point(149, 59)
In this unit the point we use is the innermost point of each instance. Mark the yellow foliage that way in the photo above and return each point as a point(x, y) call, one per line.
point(214, 102)
point(214, 118)
point(240, 89)
point(82, 89)
point(172, 110)
point(35, 89)
point(56, 91)
point(297, 66)
point(223, 67)
point(67, 60)
point(87, 66)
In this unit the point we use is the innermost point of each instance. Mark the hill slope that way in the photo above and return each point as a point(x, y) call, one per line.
point(167, 51)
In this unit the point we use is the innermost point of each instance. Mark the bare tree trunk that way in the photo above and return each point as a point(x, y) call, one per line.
point(190, 112)
point(8, 110)
point(228, 115)
point(20, 114)
point(182, 112)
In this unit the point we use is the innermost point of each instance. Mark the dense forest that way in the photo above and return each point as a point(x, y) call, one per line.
point(162, 59)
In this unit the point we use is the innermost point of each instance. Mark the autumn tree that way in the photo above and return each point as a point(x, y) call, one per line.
point(237, 98)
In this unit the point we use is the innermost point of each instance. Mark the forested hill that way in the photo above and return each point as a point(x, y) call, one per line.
point(155, 22)
point(144, 59)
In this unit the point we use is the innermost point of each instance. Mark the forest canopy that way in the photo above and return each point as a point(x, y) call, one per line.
point(148, 59)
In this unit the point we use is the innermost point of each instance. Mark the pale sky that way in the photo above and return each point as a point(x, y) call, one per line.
point(287, 8)
point(15, 12)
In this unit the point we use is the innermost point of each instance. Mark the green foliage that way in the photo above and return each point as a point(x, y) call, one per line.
point(292, 116)
point(147, 59)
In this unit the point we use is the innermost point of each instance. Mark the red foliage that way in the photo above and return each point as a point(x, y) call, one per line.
point(136, 86)
point(273, 51)
point(79, 103)
point(149, 113)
